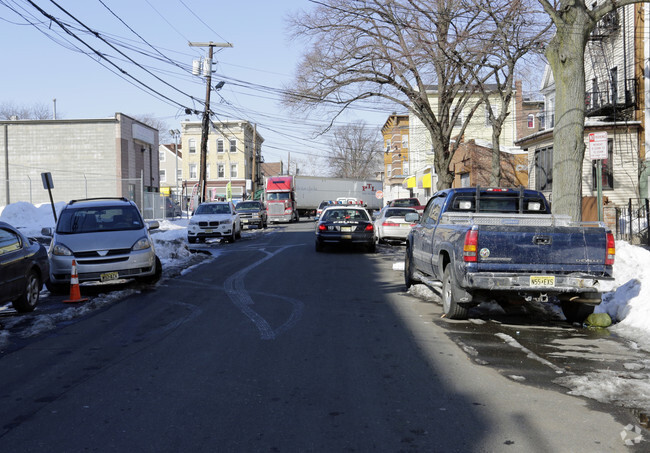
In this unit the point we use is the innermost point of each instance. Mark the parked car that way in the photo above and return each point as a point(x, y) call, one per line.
point(23, 269)
point(323, 204)
point(252, 213)
point(349, 225)
point(107, 238)
point(503, 244)
point(390, 224)
point(214, 220)
point(172, 208)
point(407, 203)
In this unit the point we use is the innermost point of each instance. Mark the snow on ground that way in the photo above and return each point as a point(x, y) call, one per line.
point(627, 302)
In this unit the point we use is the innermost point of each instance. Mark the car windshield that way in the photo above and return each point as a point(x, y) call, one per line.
point(277, 196)
point(334, 215)
point(398, 212)
point(213, 209)
point(248, 205)
point(92, 219)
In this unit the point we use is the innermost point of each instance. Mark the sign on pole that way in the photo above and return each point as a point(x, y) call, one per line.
point(598, 145)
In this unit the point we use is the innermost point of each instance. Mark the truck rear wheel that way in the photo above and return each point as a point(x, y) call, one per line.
point(451, 294)
point(576, 312)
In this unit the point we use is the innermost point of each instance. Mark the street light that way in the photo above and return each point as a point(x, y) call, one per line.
point(175, 133)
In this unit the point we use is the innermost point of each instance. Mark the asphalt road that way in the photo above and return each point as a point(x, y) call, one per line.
point(272, 347)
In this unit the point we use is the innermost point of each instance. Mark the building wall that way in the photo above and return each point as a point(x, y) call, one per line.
point(243, 133)
point(87, 158)
point(474, 162)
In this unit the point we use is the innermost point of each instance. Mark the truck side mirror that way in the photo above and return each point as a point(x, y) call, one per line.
point(412, 217)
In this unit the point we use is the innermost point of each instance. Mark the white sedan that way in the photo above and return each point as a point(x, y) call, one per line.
point(391, 226)
point(214, 220)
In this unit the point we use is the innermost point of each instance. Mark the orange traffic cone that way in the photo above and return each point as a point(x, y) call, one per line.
point(75, 293)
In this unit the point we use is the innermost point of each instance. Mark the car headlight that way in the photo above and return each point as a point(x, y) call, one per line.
point(142, 244)
point(61, 250)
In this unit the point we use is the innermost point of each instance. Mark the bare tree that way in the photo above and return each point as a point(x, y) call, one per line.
point(9, 110)
point(395, 51)
point(574, 22)
point(517, 31)
point(355, 152)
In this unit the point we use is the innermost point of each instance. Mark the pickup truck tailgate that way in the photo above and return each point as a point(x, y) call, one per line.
point(577, 248)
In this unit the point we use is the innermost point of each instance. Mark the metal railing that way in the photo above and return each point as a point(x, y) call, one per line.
point(632, 221)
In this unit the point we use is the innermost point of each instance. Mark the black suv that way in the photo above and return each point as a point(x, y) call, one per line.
point(252, 213)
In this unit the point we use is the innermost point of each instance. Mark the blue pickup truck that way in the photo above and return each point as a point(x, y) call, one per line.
point(480, 244)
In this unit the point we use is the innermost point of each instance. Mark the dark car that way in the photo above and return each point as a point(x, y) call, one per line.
point(342, 224)
point(23, 269)
point(252, 213)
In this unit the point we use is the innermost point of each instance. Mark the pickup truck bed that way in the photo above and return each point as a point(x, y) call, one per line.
point(521, 254)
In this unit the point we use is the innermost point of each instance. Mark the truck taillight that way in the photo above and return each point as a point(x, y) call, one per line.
point(611, 250)
point(471, 244)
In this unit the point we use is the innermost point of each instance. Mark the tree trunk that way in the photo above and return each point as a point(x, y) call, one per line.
point(566, 57)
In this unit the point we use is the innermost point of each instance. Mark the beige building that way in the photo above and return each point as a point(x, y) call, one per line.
point(233, 156)
point(171, 163)
point(395, 133)
point(105, 157)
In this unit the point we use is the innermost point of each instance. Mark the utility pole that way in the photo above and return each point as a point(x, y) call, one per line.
point(254, 172)
point(205, 124)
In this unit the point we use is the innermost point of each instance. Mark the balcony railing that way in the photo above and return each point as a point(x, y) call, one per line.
point(606, 99)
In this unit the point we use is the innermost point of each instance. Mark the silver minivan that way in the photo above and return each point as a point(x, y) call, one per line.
point(107, 238)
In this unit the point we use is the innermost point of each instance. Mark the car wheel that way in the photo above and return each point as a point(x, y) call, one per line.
point(57, 289)
point(239, 233)
point(232, 237)
point(319, 246)
point(151, 279)
point(451, 293)
point(576, 312)
point(191, 239)
point(29, 299)
point(371, 247)
point(408, 268)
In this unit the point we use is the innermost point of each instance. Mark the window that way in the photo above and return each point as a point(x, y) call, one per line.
point(207, 171)
point(221, 171)
point(607, 179)
point(531, 121)
point(464, 180)
point(405, 141)
point(9, 242)
point(162, 156)
point(163, 176)
point(233, 145)
point(233, 170)
point(495, 110)
point(193, 172)
point(179, 174)
point(191, 143)
point(544, 168)
point(613, 74)
point(388, 146)
point(219, 146)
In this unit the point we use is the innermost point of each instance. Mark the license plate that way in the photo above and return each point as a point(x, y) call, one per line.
point(108, 276)
point(346, 229)
point(542, 280)
point(207, 231)
point(346, 236)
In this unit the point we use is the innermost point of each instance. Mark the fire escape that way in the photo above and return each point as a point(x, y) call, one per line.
point(612, 90)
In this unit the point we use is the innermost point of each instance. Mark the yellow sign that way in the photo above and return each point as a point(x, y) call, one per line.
point(165, 190)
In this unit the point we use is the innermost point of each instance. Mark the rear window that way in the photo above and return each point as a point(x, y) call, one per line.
point(334, 214)
point(89, 220)
point(497, 204)
point(399, 212)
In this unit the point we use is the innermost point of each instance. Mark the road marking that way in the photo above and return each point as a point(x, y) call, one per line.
point(236, 291)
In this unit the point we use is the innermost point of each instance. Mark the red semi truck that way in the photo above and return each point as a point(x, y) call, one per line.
point(290, 197)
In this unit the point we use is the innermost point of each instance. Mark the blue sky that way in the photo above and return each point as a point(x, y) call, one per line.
point(39, 66)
